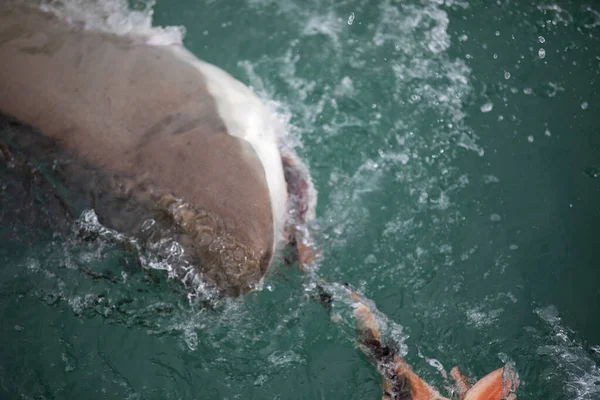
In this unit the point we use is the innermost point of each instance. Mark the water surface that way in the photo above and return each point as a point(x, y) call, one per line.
point(455, 148)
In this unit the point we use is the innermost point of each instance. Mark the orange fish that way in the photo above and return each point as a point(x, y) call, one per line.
point(399, 380)
point(401, 383)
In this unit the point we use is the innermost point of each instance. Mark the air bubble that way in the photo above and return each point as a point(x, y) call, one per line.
point(541, 39)
point(507, 75)
point(584, 105)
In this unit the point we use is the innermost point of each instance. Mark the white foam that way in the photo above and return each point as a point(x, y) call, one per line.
point(113, 16)
point(478, 317)
point(582, 373)
point(327, 25)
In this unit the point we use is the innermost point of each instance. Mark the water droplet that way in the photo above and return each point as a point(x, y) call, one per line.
point(530, 139)
point(495, 217)
point(351, 19)
point(584, 105)
point(487, 107)
point(371, 259)
point(497, 33)
point(542, 53)
point(507, 75)
point(592, 172)
point(541, 39)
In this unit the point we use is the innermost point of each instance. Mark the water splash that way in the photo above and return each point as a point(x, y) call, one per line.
point(114, 16)
point(164, 255)
point(417, 80)
point(572, 357)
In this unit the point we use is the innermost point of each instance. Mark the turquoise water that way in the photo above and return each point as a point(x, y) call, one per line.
point(455, 148)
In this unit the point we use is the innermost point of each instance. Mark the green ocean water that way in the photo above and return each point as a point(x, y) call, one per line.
point(456, 151)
